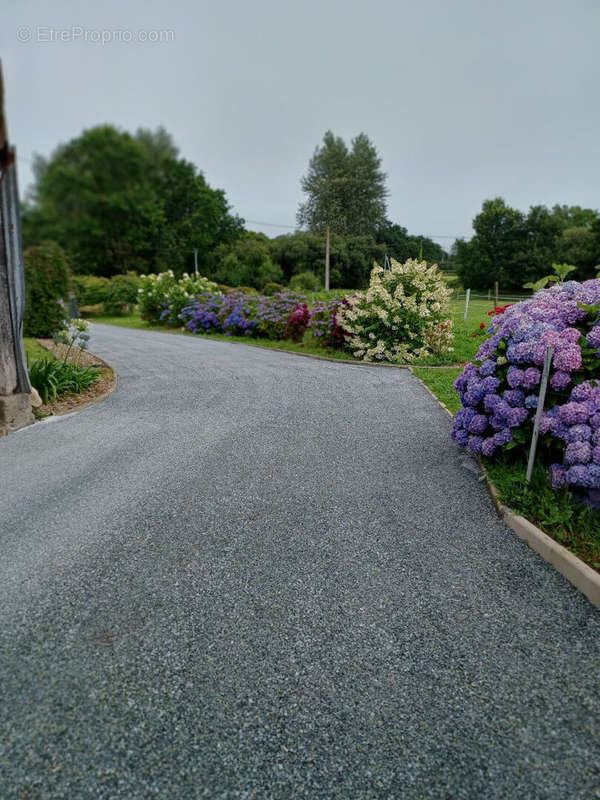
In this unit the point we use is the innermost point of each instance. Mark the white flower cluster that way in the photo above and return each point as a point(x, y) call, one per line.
point(164, 292)
point(400, 317)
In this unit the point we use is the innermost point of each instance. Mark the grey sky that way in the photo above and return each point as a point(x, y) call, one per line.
point(464, 99)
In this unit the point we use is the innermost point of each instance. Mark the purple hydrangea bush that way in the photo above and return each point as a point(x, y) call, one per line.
point(231, 314)
point(323, 324)
point(499, 389)
point(284, 314)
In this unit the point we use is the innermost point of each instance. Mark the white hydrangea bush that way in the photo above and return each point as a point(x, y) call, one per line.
point(161, 297)
point(401, 317)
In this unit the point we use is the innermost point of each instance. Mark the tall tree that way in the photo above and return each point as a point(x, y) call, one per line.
point(345, 188)
point(496, 250)
point(116, 202)
point(581, 247)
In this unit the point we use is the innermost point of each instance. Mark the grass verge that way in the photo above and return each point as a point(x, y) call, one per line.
point(575, 526)
point(440, 380)
point(34, 350)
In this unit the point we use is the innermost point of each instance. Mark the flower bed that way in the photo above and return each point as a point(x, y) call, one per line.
point(499, 389)
point(279, 316)
point(162, 297)
point(400, 318)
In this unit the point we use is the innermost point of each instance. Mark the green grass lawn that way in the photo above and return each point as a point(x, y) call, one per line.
point(575, 526)
point(33, 350)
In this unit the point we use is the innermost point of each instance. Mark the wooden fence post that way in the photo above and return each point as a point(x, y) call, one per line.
point(15, 389)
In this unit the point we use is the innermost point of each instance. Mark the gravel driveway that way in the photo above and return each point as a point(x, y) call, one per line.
point(252, 575)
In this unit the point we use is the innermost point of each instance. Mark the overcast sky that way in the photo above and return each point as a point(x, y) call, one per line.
point(464, 99)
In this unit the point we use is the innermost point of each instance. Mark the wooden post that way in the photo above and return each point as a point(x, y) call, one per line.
point(196, 261)
point(327, 248)
point(496, 293)
point(15, 389)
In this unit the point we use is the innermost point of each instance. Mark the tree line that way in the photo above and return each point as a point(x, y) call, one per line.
point(116, 202)
point(514, 248)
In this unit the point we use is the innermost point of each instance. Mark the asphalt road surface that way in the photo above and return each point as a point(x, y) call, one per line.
point(248, 574)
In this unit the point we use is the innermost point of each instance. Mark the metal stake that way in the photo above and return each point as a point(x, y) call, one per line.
point(538, 412)
point(467, 304)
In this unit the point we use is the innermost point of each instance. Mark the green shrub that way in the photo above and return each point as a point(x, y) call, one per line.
point(305, 282)
point(90, 290)
point(245, 290)
point(54, 378)
point(47, 284)
point(122, 293)
point(272, 288)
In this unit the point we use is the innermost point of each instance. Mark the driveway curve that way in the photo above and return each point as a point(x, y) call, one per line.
point(251, 575)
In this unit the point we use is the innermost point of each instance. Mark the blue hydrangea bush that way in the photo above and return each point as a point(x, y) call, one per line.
point(499, 389)
point(240, 314)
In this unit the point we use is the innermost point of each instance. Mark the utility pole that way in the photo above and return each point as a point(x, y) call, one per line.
point(15, 389)
point(327, 249)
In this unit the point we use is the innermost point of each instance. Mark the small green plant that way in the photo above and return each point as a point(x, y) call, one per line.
point(90, 290)
point(560, 275)
point(55, 378)
point(272, 288)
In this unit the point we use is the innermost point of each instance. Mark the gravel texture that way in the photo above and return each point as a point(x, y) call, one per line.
point(251, 575)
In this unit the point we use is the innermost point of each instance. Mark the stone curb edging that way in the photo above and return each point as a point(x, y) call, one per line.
point(572, 568)
point(98, 399)
point(435, 397)
point(584, 578)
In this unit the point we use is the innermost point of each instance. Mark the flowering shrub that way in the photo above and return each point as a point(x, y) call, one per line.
point(162, 297)
point(323, 325)
point(298, 323)
point(400, 317)
point(273, 313)
point(240, 314)
point(73, 334)
point(211, 313)
point(496, 312)
point(499, 389)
